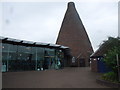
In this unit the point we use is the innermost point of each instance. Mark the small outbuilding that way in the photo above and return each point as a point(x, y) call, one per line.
point(97, 60)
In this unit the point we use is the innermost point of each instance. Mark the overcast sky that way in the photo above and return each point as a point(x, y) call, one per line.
point(41, 21)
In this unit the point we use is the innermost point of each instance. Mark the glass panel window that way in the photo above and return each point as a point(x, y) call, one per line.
point(40, 53)
point(20, 48)
point(4, 55)
point(12, 52)
point(5, 47)
point(50, 52)
point(24, 53)
point(59, 59)
point(49, 58)
point(40, 58)
point(12, 56)
point(24, 58)
point(34, 53)
point(13, 48)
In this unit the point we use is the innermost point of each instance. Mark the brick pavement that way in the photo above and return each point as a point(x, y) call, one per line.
point(71, 77)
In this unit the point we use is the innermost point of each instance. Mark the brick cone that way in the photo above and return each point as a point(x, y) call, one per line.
point(73, 34)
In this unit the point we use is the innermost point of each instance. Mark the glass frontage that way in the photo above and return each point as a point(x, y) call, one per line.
point(59, 59)
point(12, 57)
point(49, 58)
point(24, 58)
point(39, 58)
point(5, 54)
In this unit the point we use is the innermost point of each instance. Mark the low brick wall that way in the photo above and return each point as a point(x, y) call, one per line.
point(108, 84)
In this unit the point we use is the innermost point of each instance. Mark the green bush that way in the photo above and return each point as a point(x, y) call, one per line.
point(112, 47)
point(110, 76)
point(110, 58)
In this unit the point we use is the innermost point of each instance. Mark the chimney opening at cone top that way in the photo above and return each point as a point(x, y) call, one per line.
point(71, 4)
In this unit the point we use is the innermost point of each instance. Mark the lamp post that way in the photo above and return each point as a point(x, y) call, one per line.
point(118, 67)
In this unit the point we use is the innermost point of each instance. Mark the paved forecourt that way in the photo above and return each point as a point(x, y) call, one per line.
point(71, 77)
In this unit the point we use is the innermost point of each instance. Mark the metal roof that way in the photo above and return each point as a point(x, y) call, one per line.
point(28, 42)
point(14, 40)
point(39, 43)
point(32, 43)
point(2, 38)
point(55, 45)
point(64, 47)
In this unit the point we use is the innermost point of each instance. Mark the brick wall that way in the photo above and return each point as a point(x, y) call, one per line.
point(73, 34)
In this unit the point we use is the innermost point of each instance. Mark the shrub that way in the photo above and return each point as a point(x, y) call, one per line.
point(113, 48)
point(110, 76)
point(110, 58)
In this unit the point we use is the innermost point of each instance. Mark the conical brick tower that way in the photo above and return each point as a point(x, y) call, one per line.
point(73, 34)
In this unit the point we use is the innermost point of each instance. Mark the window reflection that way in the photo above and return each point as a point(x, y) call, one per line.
point(22, 58)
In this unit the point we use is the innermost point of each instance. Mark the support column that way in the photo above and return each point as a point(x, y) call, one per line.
point(36, 60)
point(8, 57)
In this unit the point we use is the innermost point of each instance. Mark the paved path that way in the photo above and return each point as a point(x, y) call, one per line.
point(73, 77)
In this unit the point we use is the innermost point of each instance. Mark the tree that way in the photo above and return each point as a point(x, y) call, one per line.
point(111, 43)
point(110, 58)
point(113, 48)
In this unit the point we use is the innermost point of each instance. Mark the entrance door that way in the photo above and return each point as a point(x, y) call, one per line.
point(51, 63)
point(82, 62)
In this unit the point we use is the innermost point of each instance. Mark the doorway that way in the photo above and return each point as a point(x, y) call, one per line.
point(82, 62)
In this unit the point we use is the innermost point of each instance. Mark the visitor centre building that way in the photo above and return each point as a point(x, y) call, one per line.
point(20, 55)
